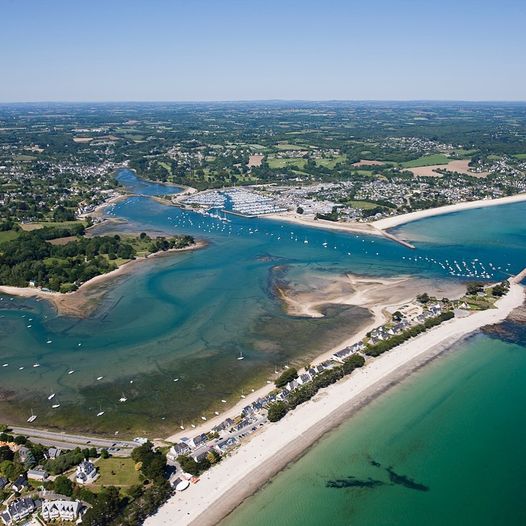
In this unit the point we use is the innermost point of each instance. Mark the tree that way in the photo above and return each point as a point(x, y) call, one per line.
point(286, 376)
point(64, 486)
point(188, 465)
point(423, 298)
point(104, 453)
point(276, 411)
point(299, 210)
point(474, 287)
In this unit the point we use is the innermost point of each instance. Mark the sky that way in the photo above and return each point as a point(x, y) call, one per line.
point(191, 50)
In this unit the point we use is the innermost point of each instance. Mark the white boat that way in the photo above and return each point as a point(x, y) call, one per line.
point(216, 413)
point(100, 377)
point(49, 341)
point(5, 365)
point(71, 372)
point(100, 413)
point(51, 396)
point(32, 418)
point(122, 398)
point(240, 357)
point(54, 406)
point(224, 401)
point(203, 418)
point(36, 365)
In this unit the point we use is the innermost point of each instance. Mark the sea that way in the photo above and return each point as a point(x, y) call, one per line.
point(443, 447)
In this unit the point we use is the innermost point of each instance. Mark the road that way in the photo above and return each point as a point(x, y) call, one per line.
point(68, 441)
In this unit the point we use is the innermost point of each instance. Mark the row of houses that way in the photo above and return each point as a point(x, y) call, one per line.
point(50, 510)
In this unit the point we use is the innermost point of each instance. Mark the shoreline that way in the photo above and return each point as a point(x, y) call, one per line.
point(225, 486)
point(394, 221)
point(75, 303)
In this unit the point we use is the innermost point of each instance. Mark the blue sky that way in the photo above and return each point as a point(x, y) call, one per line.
point(288, 49)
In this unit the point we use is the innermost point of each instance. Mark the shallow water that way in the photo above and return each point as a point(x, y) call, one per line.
point(187, 317)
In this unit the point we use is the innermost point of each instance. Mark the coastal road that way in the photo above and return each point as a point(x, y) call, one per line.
point(67, 441)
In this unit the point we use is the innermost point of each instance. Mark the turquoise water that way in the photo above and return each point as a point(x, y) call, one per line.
point(188, 316)
point(444, 447)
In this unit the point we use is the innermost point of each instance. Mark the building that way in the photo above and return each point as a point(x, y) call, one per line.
point(20, 484)
point(53, 453)
point(86, 472)
point(177, 449)
point(37, 474)
point(16, 511)
point(65, 510)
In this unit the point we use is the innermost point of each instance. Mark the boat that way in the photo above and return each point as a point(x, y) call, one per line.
point(36, 365)
point(71, 371)
point(5, 365)
point(216, 413)
point(240, 357)
point(203, 418)
point(49, 341)
point(100, 413)
point(100, 377)
point(54, 406)
point(51, 396)
point(32, 418)
point(122, 398)
point(223, 401)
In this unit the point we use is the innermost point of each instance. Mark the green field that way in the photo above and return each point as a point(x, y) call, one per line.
point(8, 235)
point(331, 163)
point(119, 472)
point(427, 160)
point(282, 163)
point(51, 224)
point(364, 205)
point(520, 156)
point(288, 146)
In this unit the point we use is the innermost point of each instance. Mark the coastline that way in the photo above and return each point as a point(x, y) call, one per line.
point(76, 303)
point(225, 486)
point(391, 222)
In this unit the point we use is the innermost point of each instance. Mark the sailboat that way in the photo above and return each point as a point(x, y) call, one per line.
point(55, 405)
point(32, 418)
point(101, 412)
point(51, 396)
point(122, 398)
point(181, 426)
point(240, 357)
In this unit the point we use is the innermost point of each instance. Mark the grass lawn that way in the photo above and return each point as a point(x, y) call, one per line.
point(520, 156)
point(331, 163)
point(365, 205)
point(35, 226)
point(281, 163)
point(288, 146)
point(427, 160)
point(166, 166)
point(119, 472)
point(8, 235)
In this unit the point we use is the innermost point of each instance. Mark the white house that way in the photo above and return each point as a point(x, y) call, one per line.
point(16, 511)
point(86, 472)
point(66, 510)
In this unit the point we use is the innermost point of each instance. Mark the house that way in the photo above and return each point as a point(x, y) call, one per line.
point(23, 453)
point(37, 474)
point(201, 453)
point(20, 484)
point(53, 453)
point(65, 510)
point(303, 378)
point(86, 472)
point(224, 445)
point(196, 441)
point(3, 483)
point(19, 509)
point(176, 450)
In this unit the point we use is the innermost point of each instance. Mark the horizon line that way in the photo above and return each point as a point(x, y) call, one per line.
point(233, 101)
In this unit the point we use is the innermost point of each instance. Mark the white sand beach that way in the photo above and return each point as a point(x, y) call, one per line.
point(391, 222)
point(239, 475)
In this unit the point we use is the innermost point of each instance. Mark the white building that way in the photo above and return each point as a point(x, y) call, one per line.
point(86, 472)
point(65, 510)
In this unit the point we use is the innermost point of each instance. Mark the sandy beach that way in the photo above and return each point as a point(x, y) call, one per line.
point(391, 222)
point(239, 475)
point(80, 302)
point(376, 294)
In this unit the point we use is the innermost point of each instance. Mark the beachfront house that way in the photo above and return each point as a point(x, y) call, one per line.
point(86, 472)
point(18, 509)
point(64, 510)
point(196, 441)
point(176, 450)
point(201, 453)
